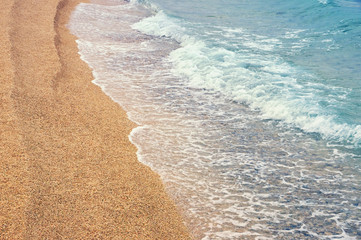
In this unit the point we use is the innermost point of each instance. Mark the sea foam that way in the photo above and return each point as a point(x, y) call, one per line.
point(233, 171)
point(264, 82)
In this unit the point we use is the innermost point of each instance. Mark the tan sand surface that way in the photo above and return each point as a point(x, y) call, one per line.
point(67, 168)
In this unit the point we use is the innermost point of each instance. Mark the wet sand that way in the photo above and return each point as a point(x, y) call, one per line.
point(67, 169)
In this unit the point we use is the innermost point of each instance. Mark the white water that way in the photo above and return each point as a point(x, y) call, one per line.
point(264, 82)
point(233, 174)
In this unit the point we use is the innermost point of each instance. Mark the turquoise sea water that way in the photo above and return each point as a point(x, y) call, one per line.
point(295, 61)
point(249, 110)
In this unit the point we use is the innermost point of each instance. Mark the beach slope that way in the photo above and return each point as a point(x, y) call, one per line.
point(67, 169)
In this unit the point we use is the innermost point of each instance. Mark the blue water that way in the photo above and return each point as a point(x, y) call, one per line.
point(250, 111)
point(295, 61)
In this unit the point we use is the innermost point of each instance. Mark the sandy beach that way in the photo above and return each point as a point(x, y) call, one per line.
point(68, 170)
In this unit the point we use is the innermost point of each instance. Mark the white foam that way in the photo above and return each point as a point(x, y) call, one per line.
point(266, 84)
point(234, 174)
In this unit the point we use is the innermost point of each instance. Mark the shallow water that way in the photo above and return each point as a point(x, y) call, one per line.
point(234, 173)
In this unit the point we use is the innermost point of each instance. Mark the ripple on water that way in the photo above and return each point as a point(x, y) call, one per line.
point(233, 174)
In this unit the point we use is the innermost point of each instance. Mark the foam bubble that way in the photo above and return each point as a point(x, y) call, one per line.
point(234, 174)
point(266, 83)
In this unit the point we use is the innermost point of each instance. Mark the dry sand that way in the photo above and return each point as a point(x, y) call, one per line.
point(67, 168)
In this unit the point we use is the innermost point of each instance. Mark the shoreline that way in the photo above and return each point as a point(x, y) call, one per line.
point(70, 170)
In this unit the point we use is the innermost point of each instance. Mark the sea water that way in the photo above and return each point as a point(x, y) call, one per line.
point(250, 111)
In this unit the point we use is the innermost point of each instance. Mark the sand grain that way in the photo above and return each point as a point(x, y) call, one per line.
point(68, 169)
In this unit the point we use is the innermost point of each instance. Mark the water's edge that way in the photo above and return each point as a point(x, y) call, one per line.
point(233, 173)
